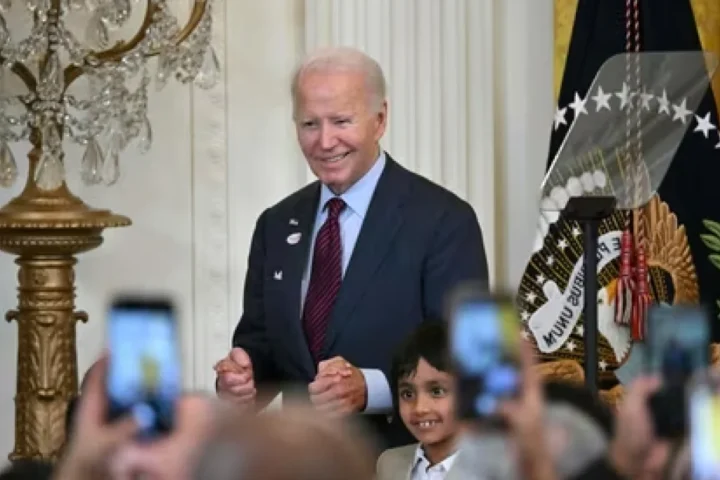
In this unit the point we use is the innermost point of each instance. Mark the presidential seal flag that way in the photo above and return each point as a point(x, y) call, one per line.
point(666, 252)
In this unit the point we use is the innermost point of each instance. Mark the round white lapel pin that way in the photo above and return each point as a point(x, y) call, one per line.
point(294, 238)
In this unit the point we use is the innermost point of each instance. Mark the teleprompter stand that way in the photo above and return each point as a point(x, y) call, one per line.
point(589, 212)
point(601, 166)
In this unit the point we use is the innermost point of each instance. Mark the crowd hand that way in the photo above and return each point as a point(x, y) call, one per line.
point(173, 456)
point(525, 416)
point(235, 378)
point(634, 429)
point(339, 388)
point(94, 440)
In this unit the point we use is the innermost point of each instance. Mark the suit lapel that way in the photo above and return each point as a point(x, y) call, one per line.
point(381, 224)
point(295, 261)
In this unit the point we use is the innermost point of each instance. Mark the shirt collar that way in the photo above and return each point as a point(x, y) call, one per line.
point(358, 196)
point(421, 461)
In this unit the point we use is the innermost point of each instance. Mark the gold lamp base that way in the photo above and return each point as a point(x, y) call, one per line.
point(46, 230)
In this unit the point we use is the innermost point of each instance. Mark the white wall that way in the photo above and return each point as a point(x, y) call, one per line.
point(472, 115)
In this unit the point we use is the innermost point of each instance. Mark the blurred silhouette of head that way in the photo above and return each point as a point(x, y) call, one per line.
point(27, 470)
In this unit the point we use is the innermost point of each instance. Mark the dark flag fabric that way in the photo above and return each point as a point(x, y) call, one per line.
point(680, 226)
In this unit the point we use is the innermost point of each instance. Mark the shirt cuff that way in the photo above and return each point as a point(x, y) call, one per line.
point(379, 398)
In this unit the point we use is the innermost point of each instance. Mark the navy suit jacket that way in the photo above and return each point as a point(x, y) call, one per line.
point(418, 240)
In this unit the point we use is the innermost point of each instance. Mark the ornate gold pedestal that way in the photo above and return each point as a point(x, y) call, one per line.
point(46, 230)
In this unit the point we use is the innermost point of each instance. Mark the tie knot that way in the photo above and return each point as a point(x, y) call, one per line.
point(335, 206)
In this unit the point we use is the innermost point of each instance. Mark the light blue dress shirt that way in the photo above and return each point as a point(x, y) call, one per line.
point(357, 199)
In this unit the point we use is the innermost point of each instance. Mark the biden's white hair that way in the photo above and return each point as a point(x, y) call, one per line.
point(343, 59)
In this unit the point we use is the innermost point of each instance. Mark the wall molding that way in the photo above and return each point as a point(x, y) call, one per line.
point(210, 223)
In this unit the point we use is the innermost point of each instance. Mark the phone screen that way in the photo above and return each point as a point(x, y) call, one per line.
point(704, 406)
point(144, 375)
point(485, 348)
point(679, 339)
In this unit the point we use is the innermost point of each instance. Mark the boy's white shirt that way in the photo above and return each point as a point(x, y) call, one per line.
point(409, 463)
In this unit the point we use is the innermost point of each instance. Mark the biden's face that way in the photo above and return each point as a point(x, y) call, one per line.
point(337, 129)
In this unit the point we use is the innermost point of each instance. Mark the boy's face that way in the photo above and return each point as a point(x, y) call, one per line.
point(427, 404)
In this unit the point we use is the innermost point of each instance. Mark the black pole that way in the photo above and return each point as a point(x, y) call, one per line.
point(589, 212)
point(590, 330)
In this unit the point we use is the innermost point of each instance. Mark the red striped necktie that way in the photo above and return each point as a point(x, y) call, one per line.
point(325, 279)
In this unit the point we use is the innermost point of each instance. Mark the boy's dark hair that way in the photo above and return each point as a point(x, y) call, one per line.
point(429, 342)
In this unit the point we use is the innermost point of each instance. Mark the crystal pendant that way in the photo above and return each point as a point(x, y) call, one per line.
point(209, 73)
point(50, 137)
point(52, 79)
point(97, 33)
point(111, 167)
point(164, 70)
point(5, 5)
point(50, 172)
point(4, 33)
point(8, 167)
point(145, 141)
point(38, 5)
point(92, 164)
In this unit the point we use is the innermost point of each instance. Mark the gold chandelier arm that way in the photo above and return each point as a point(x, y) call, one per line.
point(23, 74)
point(122, 48)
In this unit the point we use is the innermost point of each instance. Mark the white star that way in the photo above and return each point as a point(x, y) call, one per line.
point(579, 330)
point(602, 100)
point(681, 111)
point(576, 232)
point(664, 103)
point(525, 316)
point(578, 105)
point(645, 100)
point(625, 96)
point(530, 297)
point(550, 261)
point(540, 279)
point(562, 244)
point(560, 117)
point(704, 125)
point(603, 365)
point(571, 346)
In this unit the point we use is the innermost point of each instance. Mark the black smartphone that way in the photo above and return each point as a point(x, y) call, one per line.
point(485, 349)
point(144, 372)
point(678, 348)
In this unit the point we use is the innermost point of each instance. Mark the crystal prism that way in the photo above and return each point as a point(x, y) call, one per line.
point(50, 136)
point(92, 164)
point(51, 81)
point(209, 73)
point(8, 167)
point(145, 141)
point(111, 167)
point(164, 70)
point(50, 172)
point(4, 33)
point(97, 33)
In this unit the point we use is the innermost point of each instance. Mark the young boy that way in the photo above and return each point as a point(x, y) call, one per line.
point(423, 389)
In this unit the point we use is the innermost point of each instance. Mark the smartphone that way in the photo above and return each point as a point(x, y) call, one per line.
point(703, 399)
point(678, 348)
point(144, 371)
point(679, 339)
point(485, 349)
